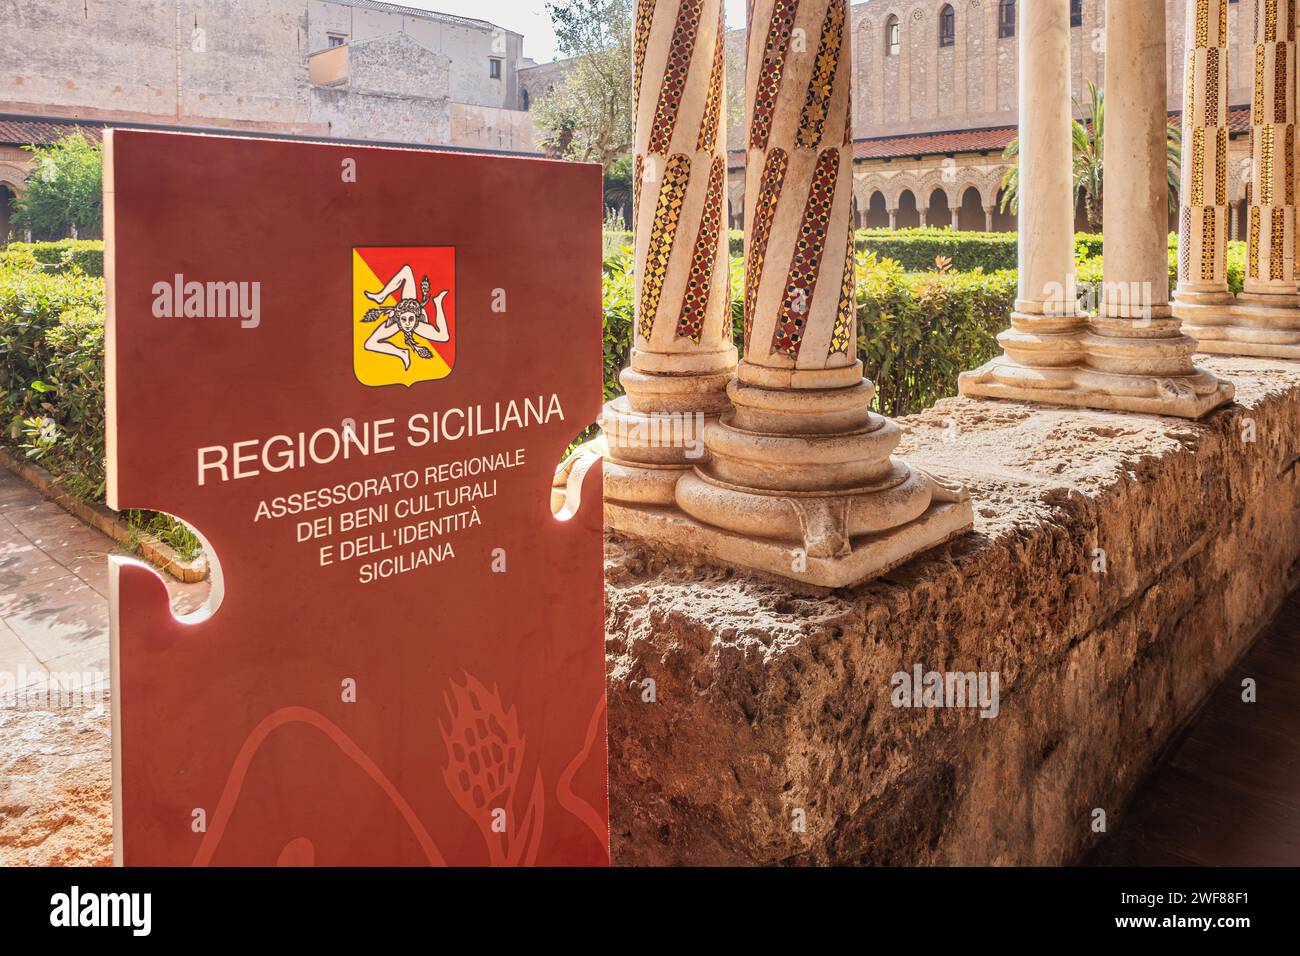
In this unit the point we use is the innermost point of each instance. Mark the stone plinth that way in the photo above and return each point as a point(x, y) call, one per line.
point(768, 701)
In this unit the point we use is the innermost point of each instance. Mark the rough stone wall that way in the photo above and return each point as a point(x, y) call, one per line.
point(768, 701)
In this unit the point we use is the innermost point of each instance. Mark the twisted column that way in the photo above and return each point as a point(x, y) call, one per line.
point(800, 465)
point(1265, 318)
point(1203, 216)
point(683, 354)
point(1270, 254)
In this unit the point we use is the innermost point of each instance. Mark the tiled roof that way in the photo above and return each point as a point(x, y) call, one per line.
point(24, 132)
point(989, 139)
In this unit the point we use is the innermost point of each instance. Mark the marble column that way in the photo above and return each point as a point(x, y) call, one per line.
point(1043, 348)
point(799, 480)
point(1131, 355)
point(1265, 319)
point(988, 218)
point(683, 354)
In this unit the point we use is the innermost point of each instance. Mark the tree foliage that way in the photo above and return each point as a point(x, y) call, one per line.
point(64, 190)
point(588, 116)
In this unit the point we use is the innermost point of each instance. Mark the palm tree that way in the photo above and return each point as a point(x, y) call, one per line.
point(1089, 154)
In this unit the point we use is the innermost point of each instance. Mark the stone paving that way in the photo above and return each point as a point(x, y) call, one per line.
point(55, 757)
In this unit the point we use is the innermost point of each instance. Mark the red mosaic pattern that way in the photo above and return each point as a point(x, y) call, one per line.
point(845, 320)
point(679, 65)
point(695, 303)
point(760, 231)
point(708, 140)
point(805, 265)
point(672, 195)
point(817, 101)
point(645, 14)
point(779, 31)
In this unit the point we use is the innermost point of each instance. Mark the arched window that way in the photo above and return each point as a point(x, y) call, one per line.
point(1006, 18)
point(1076, 13)
point(893, 36)
point(947, 25)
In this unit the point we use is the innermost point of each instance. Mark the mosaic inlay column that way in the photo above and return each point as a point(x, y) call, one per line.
point(1203, 217)
point(1043, 348)
point(683, 355)
point(1265, 318)
point(1132, 356)
point(799, 480)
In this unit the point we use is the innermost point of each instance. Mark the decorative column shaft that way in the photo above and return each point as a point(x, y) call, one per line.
point(1265, 318)
point(800, 472)
point(1203, 216)
point(683, 354)
point(1270, 253)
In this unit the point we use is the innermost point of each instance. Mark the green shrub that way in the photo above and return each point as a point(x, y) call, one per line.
point(917, 249)
point(63, 255)
point(52, 372)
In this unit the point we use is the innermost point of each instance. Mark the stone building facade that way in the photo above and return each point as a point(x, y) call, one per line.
point(360, 69)
point(935, 104)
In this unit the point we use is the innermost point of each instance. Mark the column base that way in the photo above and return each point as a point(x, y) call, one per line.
point(1263, 326)
point(868, 556)
point(1182, 396)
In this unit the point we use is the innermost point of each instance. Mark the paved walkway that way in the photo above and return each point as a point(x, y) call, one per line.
point(1228, 790)
point(55, 762)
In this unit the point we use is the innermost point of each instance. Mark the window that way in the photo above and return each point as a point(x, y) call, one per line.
point(494, 68)
point(527, 100)
point(893, 36)
point(1076, 13)
point(1006, 18)
point(336, 39)
point(947, 26)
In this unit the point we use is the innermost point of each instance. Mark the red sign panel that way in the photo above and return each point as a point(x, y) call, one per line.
point(354, 370)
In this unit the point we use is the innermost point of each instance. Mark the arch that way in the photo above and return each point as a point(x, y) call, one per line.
point(1002, 221)
point(876, 211)
point(7, 194)
point(893, 36)
point(970, 214)
point(900, 184)
point(938, 210)
point(947, 26)
point(908, 216)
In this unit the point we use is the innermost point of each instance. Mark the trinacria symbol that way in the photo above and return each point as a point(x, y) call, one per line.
point(403, 333)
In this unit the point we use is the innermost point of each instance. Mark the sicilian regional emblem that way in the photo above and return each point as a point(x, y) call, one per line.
point(403, 314)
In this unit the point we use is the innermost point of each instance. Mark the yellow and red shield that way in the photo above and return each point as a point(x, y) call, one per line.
point(403, 314)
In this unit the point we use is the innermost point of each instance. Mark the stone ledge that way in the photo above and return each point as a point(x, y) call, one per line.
point(768, 701)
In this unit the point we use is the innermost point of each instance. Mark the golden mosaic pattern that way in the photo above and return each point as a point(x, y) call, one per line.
point(779, 31)
point(1211, 86)
point(1221, 166)
point(1223, 23)
point(1252, 254)
point(806, 263)
point(1185, 243)
point(1270, 21)
point(1258, 104)
point(764, 212)
point(672, 194)
point(638, 173)
point(713, 103)
point(678, 66)
point(817, 101)
point(1198, 166)
point(1277, 244)
point(1266, 141)
point(846, 319)
point(645, 14)
point(695, 303)
point(1202, 23)
point(1209, 244)
point(1279, 83)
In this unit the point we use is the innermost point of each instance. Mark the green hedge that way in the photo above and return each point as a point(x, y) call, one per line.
point(52, 371)
point(63, 255)
point(916, 331)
